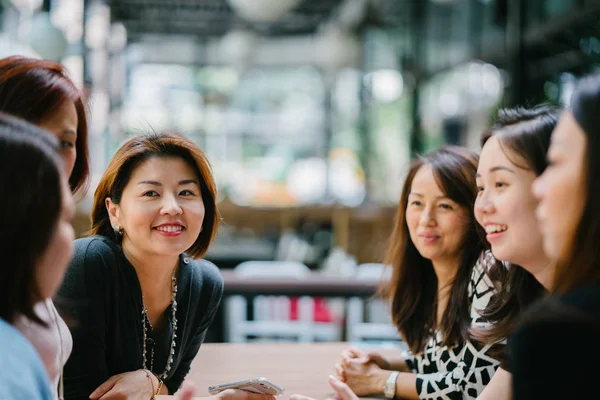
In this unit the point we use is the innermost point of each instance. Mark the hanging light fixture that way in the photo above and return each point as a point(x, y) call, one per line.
point(262, 10)
point(45, 38)
point(237, 47)
point(337, 48)
point(445, 1)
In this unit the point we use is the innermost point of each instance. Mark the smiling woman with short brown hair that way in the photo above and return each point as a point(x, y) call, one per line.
point(142, 297)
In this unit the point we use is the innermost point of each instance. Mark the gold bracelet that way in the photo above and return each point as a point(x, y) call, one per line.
point(160, 384)
point(151, 384)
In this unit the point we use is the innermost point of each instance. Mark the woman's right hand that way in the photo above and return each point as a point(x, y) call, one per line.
point(352, 353)
point(133, 385)
point(236, 394)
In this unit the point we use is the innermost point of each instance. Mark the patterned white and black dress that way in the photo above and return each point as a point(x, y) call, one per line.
point(460, 372)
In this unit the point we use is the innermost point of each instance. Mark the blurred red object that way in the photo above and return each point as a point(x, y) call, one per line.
point(321, 311)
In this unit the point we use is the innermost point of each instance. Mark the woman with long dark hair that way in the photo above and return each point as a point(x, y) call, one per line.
point(562, 332)
point(513, 155)
point(438, 284)
point(36, 241)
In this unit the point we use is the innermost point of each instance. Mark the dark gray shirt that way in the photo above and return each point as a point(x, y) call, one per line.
point(102, 295)
point(558, 337)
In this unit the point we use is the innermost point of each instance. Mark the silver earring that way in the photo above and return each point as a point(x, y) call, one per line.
point(118, 232)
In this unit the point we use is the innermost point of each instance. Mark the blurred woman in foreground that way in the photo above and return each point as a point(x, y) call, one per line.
point(40, 92)
point(562, 331)
point(36, 242)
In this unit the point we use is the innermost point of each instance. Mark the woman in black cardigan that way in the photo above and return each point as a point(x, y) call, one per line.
point(139, 294)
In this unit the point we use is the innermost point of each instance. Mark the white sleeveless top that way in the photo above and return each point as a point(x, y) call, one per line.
point(53, 344)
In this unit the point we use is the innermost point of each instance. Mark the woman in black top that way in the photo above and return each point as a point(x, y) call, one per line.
point(140, 297)
point(559, 336)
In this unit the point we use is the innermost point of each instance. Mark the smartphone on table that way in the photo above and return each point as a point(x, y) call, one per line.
point(255, 385)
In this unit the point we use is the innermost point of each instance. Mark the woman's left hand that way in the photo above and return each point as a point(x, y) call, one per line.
point(363, 378)
point(132, 385)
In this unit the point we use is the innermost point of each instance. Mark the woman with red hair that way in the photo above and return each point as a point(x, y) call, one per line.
point(40, 92)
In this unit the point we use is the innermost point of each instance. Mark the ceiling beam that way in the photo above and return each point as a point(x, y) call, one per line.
point(496, 51)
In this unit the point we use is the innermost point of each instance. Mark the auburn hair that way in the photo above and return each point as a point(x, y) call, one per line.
point(34, 90)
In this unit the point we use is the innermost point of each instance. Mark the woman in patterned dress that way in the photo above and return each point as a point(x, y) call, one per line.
point(438, 284)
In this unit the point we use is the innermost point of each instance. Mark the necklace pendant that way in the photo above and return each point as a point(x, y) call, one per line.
point(145, 319)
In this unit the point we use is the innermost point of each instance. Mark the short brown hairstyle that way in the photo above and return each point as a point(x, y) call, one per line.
point(35, 89)
point(137, 150)
point(31, 176)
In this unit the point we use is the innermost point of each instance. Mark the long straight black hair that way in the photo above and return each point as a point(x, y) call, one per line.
point(412, 289)
point(524, 133)
point(583, 263)
point(31, 202)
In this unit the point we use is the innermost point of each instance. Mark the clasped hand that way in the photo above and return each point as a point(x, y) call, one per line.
point(363, 372)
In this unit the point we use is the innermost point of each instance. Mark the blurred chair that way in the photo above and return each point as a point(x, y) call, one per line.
point(272, 319)
point(370, 319)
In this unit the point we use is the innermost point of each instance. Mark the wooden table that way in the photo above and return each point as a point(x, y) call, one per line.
point(298, 367)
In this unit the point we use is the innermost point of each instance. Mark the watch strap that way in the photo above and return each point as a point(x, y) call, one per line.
point(389, 390)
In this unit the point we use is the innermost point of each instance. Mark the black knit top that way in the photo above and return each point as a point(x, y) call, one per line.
point(102, 294)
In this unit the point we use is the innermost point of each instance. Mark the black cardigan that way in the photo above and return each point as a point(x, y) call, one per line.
point(555, 352)
point(102, 295)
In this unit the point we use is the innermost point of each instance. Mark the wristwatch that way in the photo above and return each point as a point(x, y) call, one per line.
point(389, 389)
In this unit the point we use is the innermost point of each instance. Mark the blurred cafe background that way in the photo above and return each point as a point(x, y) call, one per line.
point(309, 111)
